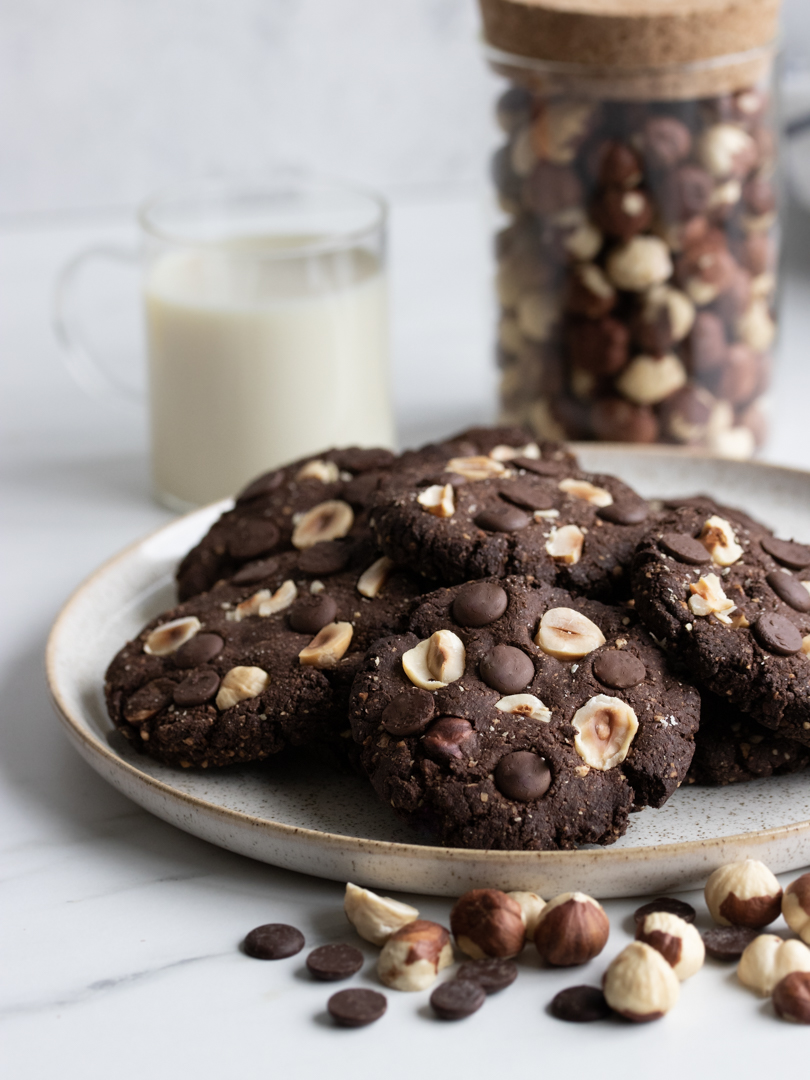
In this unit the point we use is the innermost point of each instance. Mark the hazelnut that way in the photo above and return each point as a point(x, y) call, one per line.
point(567, 634)
point(543, 421)
point(525, 705)
point(582, 240)
point(706, 268)
point(375, 918)
point(476, 467)
point(371, 581)
point(640, 263)
point(615, 420)
point(436, 661)
point(559, 128)
point(791, 997)
point(599, 346)
point(329, 520)
point(537, 315)
point(413, 955)
point(756, 328)
point(550, 188)
point(438, 499)
point(589, 292)
point(796, 903)
point(614, 164)
point(692, 415)
point(264, 603)
point(640, 985)
point(664, 141)
point(717, 536)
point(514, 108)
point(708, 346)
point(649, 379)
point(768, 959)
point(328, 646)
point(685, 195)
point(743, 894)
point(606, 727)
point(325, 471)
point(239, 684)
point(571, 929)
point(487, 922)
point(168, 638)
point(565, 545)
point(737, 442)
point(667, 311)
point(623, 214)
point(585, 490)
point(678, 941)
point(708, 598)
point(725, 150)
point(530, 907)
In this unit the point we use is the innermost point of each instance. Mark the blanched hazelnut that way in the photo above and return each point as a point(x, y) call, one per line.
point(663, 304)
point(476, 467)
point(371, 581)
point(796, 902)
point(239, 684)
point(487, 922)
point(168, 638)
point(649, 379)
point(567, 634)
point(736, 442)
point(438, 499)
point(538, 314)
point(708, 598)
point(585, 490)
point(413, 956)
point(376, 918)
point(571, 929)
point(328, 646)
point(325, 471)
point(756, 328)
point(743, 894)
point(692, 415)
point(564, 545)
point(559, 128)
point(543, 421)
point(606, 727)
point(768, 959)
point(589, 292)
point(791, 997)
point(725, 150)
point(524, 705)
point(436, 661)
point(717, 536)
point(640, 263)
point(330, 520)
point(264, 603)
point(678, 941)
point(530, 907)
point(640, 985)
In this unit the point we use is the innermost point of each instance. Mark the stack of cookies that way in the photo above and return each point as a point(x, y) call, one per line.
point(516, 653)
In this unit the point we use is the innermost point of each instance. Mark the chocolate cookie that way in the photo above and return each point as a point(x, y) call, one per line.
point(728, 601)
point(514, 715)
point(244, 670)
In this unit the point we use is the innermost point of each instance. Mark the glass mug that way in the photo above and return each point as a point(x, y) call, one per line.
point(266, 323)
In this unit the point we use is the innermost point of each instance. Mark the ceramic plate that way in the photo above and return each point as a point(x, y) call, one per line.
point(332, 826)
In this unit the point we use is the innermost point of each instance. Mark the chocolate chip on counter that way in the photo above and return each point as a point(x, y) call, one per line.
point(201, 649)
point(450, 737)
point(580, 1005)
point(309, 614)
point(528, 497)
point(538, 466)
point(790, 590)
point(684, 548)
point(522, 776)
point(457, 998)
point(255, 571)
point(624, 512)
point(330, 963)
point(327, 557)
point(480, 603)
point(500, 518)
point(356, 1007)
point(274, 941)
point(728, 942)
point(618, 669)
point(507, 669)
point(197, 688)
point(790, 554)
point(252, 537)
point(262, 485)
point(492, 974)
point(408, 713)
point(670, 905)
point(777, 634)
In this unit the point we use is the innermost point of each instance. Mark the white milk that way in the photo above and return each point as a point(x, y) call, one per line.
point(255, 362)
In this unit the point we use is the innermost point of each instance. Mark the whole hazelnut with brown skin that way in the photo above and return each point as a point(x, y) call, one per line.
point(616, 420)
point(791, 997)
point(572, 929)
point(796, 907)
point(488, 923)
point(414, 955)
point(743, 894)
point(640, 985)
point(768, 959)
point(678, 941)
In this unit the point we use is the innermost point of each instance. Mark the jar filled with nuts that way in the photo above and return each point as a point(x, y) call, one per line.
point(637, 268)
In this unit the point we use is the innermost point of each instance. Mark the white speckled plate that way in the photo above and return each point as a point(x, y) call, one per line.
point(333, 826)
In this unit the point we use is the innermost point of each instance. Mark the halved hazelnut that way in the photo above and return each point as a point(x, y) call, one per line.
point(328, 646)
point(329, 520)
point(717, 536)
point(743, 894)
point(239, 684)
point(438, 499)
point(168, 638)
point(768, 959)
point(606, 727)
point(531, 451)
point(371, 581)
point(647, 380)
point(530, 907)
point(476, 467)
point(678, 941)
point(525, 705)
point(413, 956)
point(571, 929)
point(376, 918)
point(708, 598)
point(265, 603)
point(317, 469)
point(487, 922)
point(436, 661)
point(567, 634)
point(585, 490)
point(796, 907)
point(640, 985)
point(791, 997)
point(565, 544)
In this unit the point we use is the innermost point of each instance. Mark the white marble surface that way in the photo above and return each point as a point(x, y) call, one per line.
point(119, 934)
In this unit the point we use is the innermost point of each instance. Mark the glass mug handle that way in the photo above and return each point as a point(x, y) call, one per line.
point(82, 361)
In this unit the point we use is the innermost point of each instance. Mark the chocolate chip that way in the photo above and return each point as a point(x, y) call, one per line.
point(254, 572)
point(251, 537)
point(502, 519)
point(309, 614)
point(684, 548)
point(359, 490)
point(147, 701)
point(790, 590)
point(624, 512)
point(794, 556)
point(522, 776)
point(263, 485)
point(492, 974)
point(728, 942)
point(356, 1008)
point(481, 602)
point(201, 649)
point(777, 634)
point(450, 737)
point(329, 963)
point(197, 688)
point(670, 905)
point(506, 669)
point(357, 459)
point(274, 941)
point(538, 466)
point(702, 503)
point(321, 560)
point(457, 998)
point(619, 669)
point(580, 1005)
point(408, 713)
point(527, 496)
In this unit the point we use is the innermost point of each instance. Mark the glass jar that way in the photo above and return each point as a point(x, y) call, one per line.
point(637, 268)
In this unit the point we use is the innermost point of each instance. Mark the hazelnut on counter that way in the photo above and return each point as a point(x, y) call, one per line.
point(375, 918)
point(791, 997)
point(530, 907)
point(796, 907)
point(678, 941)
point(640, 985)
point(743, 894)
point(413, 956)
point(488, 923)
point(768, 959)
point(571, 929)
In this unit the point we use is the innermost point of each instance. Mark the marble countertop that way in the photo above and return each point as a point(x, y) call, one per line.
point(120, 934)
